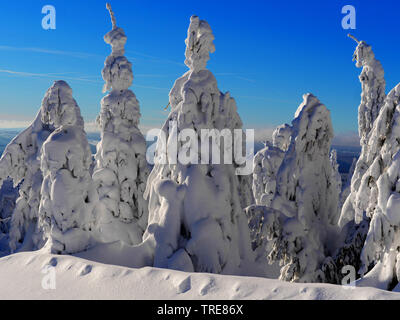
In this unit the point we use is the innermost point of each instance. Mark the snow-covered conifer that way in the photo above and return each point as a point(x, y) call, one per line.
point(346, 187)
point(376, 116)
point(21, 163)
point(196, 217)
point(67, 195)
point(8, 197)
point(121, 169)
point(301, 224)
point(372, 100)
point(336, 177)
point(382, 178)
point(266, 165)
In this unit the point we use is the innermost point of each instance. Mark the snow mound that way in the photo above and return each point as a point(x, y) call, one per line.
point(23, 275)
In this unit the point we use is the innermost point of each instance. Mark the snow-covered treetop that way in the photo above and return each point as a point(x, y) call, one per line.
point(312, 133)
point(120, 109)
point(117, 72)
point(363, 55)
point(59, 107)
point(116, 37)
point(373, 88)
point(312, 126)
point(281, 136)
point(199, 44)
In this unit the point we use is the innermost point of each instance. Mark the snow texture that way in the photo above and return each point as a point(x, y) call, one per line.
point(304, 211)
point(67, 194)
point(196, 217)
point(121, 169)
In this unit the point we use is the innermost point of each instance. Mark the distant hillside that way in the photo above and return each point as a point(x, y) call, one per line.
point(345, 153)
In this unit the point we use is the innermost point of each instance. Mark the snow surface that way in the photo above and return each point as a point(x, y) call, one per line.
point(78, 278)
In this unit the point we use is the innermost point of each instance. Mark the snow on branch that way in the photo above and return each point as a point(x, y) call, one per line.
point(354, 38)
point(113, 20)
point(199, 44)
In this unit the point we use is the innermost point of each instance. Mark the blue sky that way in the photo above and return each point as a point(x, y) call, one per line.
point(269, 53)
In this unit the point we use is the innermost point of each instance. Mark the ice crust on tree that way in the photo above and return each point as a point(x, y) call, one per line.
point(67, 194)
point(301, 221)
point(196, 217)
point(121, 169)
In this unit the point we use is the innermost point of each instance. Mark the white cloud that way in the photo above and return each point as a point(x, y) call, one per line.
point(264, 134)
point(47, 75)
point(350, 138)
point(80, 55)
point(14, 124)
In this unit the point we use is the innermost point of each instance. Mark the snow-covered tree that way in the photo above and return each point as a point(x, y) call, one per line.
point(266, 165)
point(21, 163)
point(196, 217)
point(375, 120)
point(304, 214)
point(346, 187)
point(336, 177)
point(382, 177)
point(67, 194)
point(281, 137)
point(8, 197)
point(372, 100)
point(121, 169)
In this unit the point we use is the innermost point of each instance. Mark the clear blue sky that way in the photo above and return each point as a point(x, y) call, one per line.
point(268, 53)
